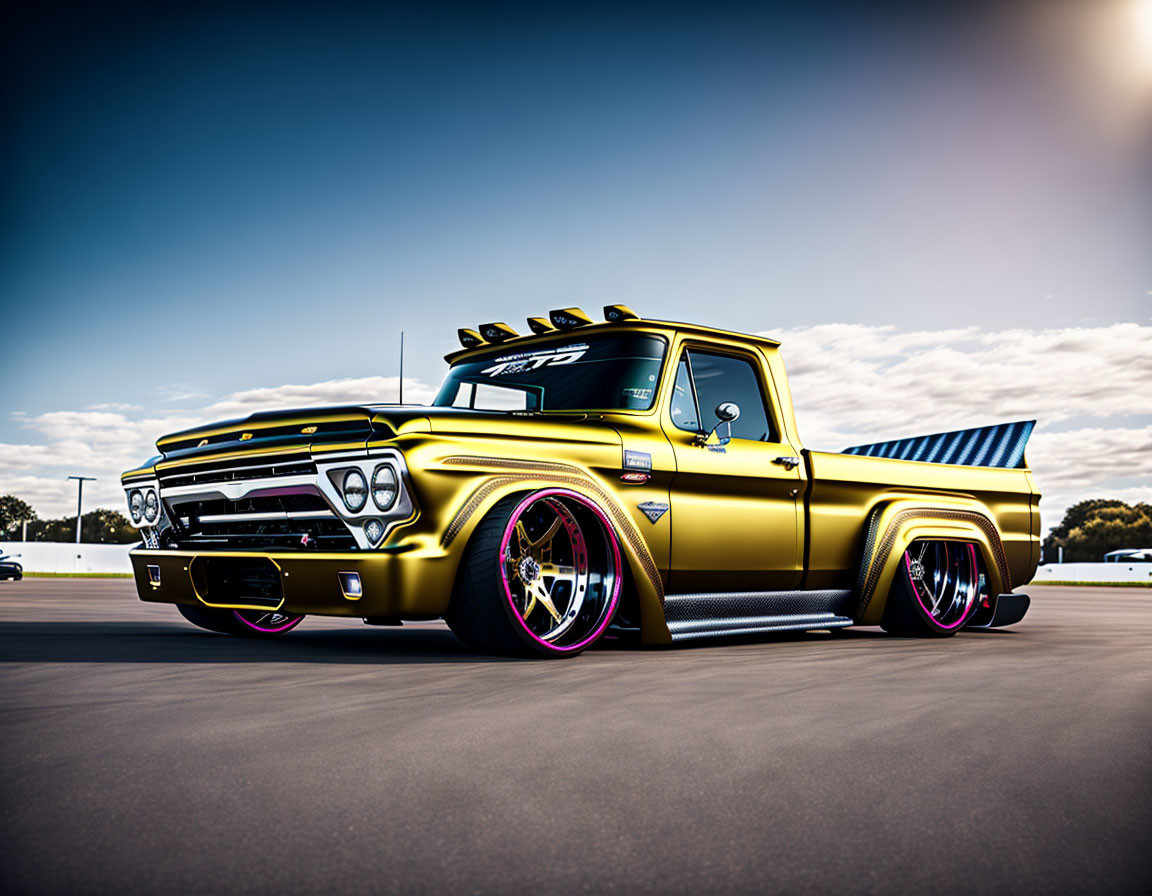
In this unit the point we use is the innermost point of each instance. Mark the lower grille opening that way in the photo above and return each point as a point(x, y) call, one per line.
point(281, 535)
point(254, 581)
point(306, 523)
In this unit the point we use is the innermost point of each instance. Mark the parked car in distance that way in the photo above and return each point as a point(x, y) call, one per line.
point(10, 569)
point(1129, 555)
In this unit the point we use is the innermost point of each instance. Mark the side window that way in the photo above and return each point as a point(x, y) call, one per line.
point(718, 378)
point(684, 399)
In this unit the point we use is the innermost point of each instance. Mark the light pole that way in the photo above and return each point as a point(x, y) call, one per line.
point(80, 480)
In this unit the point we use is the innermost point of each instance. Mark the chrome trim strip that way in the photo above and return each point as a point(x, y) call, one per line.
point(753, 627)
point(813, 620)
point(270, 461)
point(236, 491)
point(271, 515)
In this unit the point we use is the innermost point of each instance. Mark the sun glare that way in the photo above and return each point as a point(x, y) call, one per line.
point(1142, 26)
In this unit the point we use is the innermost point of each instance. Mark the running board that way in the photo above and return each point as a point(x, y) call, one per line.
point(753, 612)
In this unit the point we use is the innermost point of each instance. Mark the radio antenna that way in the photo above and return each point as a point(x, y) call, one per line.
point(401, 367)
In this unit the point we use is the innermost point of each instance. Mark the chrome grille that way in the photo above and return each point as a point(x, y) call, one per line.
point(273, 514)
point(206, 474)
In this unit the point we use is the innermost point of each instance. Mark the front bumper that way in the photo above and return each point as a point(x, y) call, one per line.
point(407, 585)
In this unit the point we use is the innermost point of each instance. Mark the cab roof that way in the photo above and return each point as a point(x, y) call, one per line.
point(617, 322)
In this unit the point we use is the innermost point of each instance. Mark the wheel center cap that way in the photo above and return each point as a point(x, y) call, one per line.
point(529, 569)
point(917, 569)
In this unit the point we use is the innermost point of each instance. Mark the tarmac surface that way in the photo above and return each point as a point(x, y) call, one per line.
point(139, 754)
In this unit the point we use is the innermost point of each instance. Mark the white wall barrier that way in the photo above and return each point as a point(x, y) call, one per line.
point(1094, 572)
point(45, 556)
point(60, 557)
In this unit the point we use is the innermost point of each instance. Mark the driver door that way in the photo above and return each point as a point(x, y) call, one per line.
point(737, 506)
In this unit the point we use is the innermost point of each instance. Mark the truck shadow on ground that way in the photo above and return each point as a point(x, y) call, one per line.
point(151, 642)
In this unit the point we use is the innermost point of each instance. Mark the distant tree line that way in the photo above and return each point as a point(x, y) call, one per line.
point(1092, 528)
point(96, 526)
point(1088, 531)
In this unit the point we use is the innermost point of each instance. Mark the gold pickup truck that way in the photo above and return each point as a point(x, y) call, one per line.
point(629, 479)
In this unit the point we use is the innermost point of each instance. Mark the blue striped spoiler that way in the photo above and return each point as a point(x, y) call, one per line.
point(985, 446)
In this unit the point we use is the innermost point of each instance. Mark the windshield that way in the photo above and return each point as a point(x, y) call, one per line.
point(594, 373)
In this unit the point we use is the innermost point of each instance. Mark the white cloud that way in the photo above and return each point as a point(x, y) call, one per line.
point(854, 384)
point(851, 384)
point(350, 391)
point(873, 383)
point(107, 439)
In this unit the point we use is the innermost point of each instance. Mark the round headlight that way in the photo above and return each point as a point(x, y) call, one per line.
point(384, 488)
point(355, 490)
point(136, 505)
point(374, 531)
point(151, 506)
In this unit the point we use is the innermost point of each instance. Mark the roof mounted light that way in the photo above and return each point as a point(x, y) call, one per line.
point(497, 332)
point(469, 338)
point(540, 326)
point(616, 313)
point(569, 318)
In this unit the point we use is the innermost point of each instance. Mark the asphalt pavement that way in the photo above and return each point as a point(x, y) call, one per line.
point(139, 754)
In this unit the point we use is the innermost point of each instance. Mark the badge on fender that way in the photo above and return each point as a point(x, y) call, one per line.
point(653, 509)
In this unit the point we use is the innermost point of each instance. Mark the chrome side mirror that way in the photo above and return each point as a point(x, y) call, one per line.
point(721, 433)
point(728, 411)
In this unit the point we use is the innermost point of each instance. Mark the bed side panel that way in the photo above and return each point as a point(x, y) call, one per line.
point(846, 488)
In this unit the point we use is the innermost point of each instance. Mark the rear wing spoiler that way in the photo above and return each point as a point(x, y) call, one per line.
point(986, 446)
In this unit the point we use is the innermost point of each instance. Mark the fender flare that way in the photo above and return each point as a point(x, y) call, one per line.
point(526, 476)
point(893, 527)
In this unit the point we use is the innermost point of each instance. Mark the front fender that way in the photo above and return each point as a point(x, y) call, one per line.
point(894, 526)
point(504, 477)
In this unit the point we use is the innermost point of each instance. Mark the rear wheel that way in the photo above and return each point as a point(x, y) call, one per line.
point(936, 589)
point(253, 623)
point(541, 577)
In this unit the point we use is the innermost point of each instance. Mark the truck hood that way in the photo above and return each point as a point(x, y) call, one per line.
point(356, 425)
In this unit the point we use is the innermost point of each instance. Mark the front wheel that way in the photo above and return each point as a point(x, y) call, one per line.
point(252, 623)
point(541, 577)
point(936, 589)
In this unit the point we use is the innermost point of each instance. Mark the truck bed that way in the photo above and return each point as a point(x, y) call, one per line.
point(844, 489)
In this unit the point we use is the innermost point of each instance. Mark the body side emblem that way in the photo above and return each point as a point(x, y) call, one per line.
point(653, 509)
point(245, 436)
point(637, 460)
point(308, 430)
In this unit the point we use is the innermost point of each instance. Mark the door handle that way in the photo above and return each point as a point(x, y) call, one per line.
point(788, 463)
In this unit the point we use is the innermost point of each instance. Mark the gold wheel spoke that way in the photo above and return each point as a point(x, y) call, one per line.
point(542, 595)
point(545, 540)
point(553, 571)
point(522, 537)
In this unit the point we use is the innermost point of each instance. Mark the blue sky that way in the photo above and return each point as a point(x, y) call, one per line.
point(205, 200)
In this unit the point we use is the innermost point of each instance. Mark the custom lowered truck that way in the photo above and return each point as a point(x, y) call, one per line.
point(635, 479)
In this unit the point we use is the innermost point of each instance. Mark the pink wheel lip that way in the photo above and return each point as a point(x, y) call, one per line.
point(600, 515)
point(967, 612)
point(293, 621)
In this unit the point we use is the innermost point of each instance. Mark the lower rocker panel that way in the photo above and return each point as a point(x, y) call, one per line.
point(752, 612)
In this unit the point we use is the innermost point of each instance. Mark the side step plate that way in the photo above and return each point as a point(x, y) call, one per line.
point(752, 612)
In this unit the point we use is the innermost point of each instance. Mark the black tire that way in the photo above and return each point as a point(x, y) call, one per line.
point(484, 611)
point(245, 623)
point(936, 589)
